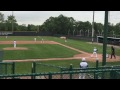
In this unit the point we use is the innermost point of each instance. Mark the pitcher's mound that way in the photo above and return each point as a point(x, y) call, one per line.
point(17, 48)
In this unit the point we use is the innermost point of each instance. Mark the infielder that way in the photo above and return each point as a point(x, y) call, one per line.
point(94, 52)
point(35, 39)
point(14, 44)
point(83, 65)
point(42, 40)
point(65, 40)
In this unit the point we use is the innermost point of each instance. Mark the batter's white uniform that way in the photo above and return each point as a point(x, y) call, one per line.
point(14, 44)
point(83, 65)
point(94, 52)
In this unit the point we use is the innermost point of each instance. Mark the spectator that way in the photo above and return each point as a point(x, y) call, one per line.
point(83, 65)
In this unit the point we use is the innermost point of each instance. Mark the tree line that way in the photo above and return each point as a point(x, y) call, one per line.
point(62, 25)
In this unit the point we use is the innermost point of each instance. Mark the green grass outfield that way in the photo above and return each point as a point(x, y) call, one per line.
point(33, 49)
point(49, 51)
point(37, 51)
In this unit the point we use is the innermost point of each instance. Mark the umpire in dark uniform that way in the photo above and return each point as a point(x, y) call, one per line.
point(112, 52)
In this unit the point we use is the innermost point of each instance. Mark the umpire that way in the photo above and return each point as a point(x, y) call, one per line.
point(112, 52)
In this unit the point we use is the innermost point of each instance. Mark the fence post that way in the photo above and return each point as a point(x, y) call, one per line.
point(13, 68)
point(112, 74)
point(71, 67)
point(50, 75)
point(97, 63)
point(5, 68)
point(1, 55)
point(61, 75)
point(33, 70)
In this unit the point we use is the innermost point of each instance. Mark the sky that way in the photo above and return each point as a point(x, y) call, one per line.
point(39, 17)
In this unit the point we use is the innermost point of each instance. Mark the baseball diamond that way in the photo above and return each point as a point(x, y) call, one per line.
point(61, 46)
point(77, 56)
point(21, 46)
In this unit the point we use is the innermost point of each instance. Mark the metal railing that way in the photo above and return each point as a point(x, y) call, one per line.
point(56, 75)
point(58, 72)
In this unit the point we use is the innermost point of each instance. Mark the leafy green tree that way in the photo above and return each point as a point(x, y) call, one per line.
point(116, 29)
point(11, 20)
point(1, 17)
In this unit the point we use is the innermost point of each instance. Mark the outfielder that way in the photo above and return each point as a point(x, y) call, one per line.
point(14, 44)
point(83, 65)
point(94, 52)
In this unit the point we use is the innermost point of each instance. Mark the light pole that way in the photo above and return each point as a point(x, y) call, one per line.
point(68, 32)
point(113, 34)
point(73, 32)
point(88, 32)
point(93, 27)
point(80, 32)
point(12, 21)
point(74, 29)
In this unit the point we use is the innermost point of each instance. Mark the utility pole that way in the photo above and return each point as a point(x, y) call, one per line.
point(93, 27)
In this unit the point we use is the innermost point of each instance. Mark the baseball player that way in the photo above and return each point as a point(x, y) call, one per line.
point(35, 39)
point(42, 40)
point(83, 65)
point(65, 39)
point(94, 52)
point(14, 42)
point(6, 36)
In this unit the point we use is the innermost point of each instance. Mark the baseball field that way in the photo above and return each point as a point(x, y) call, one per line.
point(52, 50)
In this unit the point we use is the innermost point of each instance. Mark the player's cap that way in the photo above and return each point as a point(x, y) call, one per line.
point(83, 59)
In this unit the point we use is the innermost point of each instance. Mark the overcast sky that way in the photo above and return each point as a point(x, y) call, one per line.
point(38, 17)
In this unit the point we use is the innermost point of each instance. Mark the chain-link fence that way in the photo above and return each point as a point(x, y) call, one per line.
point(42, 67)
point(47, 71)
point(1, 55)
point(62, 75)
point(7, 68)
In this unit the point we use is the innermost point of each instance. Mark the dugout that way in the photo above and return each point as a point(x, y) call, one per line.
point(110, 40)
